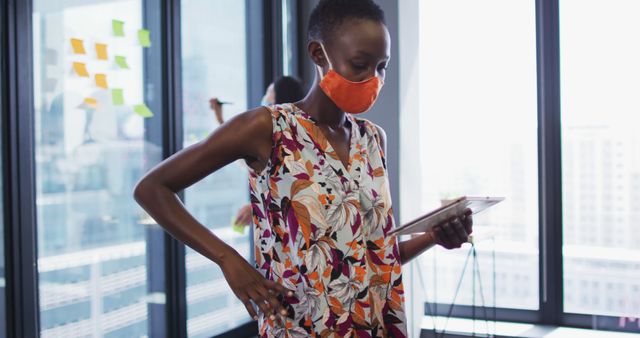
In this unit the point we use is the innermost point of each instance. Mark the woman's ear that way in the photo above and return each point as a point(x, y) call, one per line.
point(316, 54)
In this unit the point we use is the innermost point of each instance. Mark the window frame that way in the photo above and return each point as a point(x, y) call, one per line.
point(19, 172)
point(551, 283)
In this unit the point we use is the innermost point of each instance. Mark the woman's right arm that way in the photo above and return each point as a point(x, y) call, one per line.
point(248, 137)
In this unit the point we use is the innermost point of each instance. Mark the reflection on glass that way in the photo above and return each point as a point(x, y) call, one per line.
point(95, 277)
point(214, 65)
point(288, 35)
point(478, 137)
point(601, 157)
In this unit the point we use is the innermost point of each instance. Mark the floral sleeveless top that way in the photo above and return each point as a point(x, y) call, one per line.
point(320, 230)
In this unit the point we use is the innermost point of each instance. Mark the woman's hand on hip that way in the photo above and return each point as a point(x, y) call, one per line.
point(250, 286)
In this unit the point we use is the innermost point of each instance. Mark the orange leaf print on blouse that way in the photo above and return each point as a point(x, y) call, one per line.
point(298, 186)
point(378, 172)
point(309, 167)
point(304, 220)
point(315, 132)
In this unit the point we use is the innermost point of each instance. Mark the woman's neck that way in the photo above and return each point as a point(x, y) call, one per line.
point(320, 107)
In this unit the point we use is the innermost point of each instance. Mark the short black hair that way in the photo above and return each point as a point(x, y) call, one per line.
point(330, 14)
point(288, 90)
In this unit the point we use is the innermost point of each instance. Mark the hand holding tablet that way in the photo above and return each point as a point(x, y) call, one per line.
point(452, 209)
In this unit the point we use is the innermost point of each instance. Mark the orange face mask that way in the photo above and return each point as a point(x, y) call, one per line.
point(351, 97)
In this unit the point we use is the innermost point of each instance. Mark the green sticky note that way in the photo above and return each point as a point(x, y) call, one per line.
point(121, 61)
point(118, 27)
point(238, 228)
point(116, 97)
point(143, 110)
point(144, 37)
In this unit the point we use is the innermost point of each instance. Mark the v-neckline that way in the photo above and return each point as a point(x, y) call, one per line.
point(329, 148)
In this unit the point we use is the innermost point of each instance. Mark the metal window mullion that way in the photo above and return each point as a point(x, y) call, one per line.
point(19, 174)
point(549, 160)
point(175, 267)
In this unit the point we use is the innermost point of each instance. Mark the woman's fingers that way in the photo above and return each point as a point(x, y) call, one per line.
point(247, 304)
point(453, 236)
point(282, 291)
point(442, 237)
point(453, 233)
point(467, 221)
point(265, 297)
point(269, 292)
point(277, 293)
point(257, 299)
point(460, 231)
point(449, 228)
point(271, 297)
point(278, 287)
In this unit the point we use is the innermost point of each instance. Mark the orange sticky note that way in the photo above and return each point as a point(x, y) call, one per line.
point(91, 102)
point(81, 69)
point(78, 46)
point(101, 51)
point(101, 81)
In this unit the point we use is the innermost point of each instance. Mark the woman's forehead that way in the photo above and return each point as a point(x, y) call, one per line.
point(363, 37)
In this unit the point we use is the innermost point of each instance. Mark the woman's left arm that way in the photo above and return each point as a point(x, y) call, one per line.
point(450, 234)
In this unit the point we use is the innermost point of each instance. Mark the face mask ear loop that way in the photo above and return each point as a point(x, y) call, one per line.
point(326, 56)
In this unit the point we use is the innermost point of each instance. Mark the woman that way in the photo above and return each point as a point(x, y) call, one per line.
point(319, 193)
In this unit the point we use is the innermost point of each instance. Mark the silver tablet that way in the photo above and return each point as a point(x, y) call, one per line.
point(451, 209)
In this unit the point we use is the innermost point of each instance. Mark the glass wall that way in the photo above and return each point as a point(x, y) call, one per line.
point(601, 157)
point(214, 65)
point(289, 29)
point(477, 136)
point(97, 127)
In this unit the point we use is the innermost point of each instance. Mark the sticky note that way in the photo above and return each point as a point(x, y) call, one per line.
point(238, 228)
point(78, 46)
point(101, 81)
point(143, 110)
point(118, 27)
point(91, 102)
point(81, 69)
point(117, 96)
point(144, 37)
point(121, 61)
point(101, 51)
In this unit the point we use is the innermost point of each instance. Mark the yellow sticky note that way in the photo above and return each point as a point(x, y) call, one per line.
point(144, 37)
point(143, 110)
point(101, 51)
point(78, 46)
point(81, 69)
point(101, 81)
point(91, 102)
